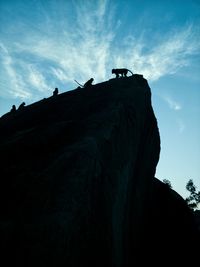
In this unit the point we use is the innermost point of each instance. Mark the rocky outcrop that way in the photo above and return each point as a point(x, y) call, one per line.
point(77, 177)
point(172, 230)
point(197, 219)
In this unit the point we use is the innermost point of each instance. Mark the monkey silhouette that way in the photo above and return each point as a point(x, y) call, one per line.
point(88, 83)
point(13, 109)
point(85, 85)
point(21, 106)
point(122, 72)
point(55, 92)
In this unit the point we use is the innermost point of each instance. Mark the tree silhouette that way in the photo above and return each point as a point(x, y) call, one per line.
point(167, 182)
point(194, 198)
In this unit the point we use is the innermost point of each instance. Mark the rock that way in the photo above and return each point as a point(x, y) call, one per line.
point(77, 177)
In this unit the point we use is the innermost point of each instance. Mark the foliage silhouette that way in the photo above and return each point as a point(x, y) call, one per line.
point(194, 198)
point(167, 182)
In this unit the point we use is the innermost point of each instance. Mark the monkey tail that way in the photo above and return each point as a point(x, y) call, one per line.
point(130, 72)
point(78, 83)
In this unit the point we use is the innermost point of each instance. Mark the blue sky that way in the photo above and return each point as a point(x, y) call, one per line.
point(46, 44)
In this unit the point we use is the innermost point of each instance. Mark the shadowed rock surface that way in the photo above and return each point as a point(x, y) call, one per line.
point(77, 180)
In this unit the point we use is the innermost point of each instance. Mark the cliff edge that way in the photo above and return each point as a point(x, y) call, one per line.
point(77, 176)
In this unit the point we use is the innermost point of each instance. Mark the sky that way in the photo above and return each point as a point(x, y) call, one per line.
point(46, 44)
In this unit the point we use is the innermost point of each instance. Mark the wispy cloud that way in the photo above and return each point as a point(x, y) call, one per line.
point(12, 81)
point(36, 79)
point(181, 125)
point(81, 52)
point(174, 105)
point(167, 56)
point(89, 47)
point(60, 74)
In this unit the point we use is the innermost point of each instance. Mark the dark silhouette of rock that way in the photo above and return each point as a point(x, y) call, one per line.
point(77, 182)
point(173, 230)
point(197, 219)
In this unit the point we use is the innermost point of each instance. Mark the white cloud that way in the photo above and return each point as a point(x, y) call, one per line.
point(181, 125)
point(167, 56)
point(60, 74)
point(37, 80)
point(172, 103)
point(13, 80)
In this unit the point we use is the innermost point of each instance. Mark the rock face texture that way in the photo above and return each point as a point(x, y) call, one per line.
point(77, 179)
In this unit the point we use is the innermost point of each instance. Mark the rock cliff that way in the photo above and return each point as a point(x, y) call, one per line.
point(77, 178)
